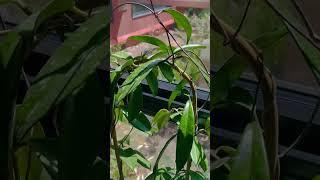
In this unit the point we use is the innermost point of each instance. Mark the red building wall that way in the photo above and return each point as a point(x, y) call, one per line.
point(124, 26)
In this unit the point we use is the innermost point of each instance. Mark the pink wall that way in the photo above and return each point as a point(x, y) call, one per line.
point(123, 26)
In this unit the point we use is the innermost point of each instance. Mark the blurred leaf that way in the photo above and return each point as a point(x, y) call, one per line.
point(52, 8)
point(135, 104)
point(220, 162)
point(177, 91)
point(223, 80)
point(133, 158)
point(160, 119)
point(251, 161)
point(135, 78)
point(67, 68)
point(153, 81)
point(185, 136)
point(5, 1)
point(151, 40)
point(167, 71)
point(316, 177)
point(198, 156)
point(310, 52)
point(47, 147)
point(181, 21)
point(24, 153)
point(238, 94)
point(231, 71)
point(83, 130)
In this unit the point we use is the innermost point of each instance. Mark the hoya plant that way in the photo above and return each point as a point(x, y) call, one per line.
point(65, 98)
point(170, 60)
point(253, 34)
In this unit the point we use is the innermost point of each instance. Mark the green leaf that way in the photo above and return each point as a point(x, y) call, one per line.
point(11, 61)
point(116, 74)
point(181, 21)
point(189, 47)
point(185, 136)
point(5, 1)
point(135, 79)
point(251, 161)
point(67, 68)
point(151, 40)
point(198, 156)
point(153, 81)
point(197, 176)
point(122, 55)
point(310, 52)
point(83, 129)
point(161, 174)
point(207, 126)
point(32, 23)
point(135, 104)
point(141, 122)
point(197, 61)
point(167, 71)
point(133, 158)
point(160, 119)
point(24, 153)
point(177, 91)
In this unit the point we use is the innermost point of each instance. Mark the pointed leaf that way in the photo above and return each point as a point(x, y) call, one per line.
point(135, 104)
point(177, 92)
point(153, 81)
point(185, 136)
point(151, 40)
point(160, 119)
point(310, 52)
point(133, 158)
point(135, 78)
point(189, 47)
point(167, 71)
point(198, 156)
point(67, 68)
point(181, 21)
point(251, 161)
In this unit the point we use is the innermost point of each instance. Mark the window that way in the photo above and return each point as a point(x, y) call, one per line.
point(139, 11)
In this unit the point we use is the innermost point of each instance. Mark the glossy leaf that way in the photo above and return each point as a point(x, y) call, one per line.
point(151, 40)
point(67, 68)
point(185, 136)
point(311, 53)
point(134, 158)
point(135, 104)
point(141, 122)
point(177, 92)
point(181, 21)
point(198, 156)
point(122, 55)
point(160, 119)
point(251, 161)
point(167, 71)
point(83, 129)
point(189, 47)
point(135, 79)
point(153, 81)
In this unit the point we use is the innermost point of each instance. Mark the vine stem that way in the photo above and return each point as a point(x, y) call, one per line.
point(116, 150)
